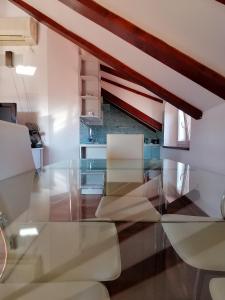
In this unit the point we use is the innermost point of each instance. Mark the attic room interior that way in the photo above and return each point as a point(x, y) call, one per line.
point(112, 170)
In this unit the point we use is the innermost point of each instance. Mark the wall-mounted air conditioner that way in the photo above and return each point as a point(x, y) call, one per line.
point(18, 31)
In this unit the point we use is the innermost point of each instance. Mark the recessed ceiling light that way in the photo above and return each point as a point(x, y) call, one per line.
point(32, 231)
point(25, 70)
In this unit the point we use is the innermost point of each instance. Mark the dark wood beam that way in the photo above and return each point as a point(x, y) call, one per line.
point(108, 59)
point(131, 90)
point(131, 110)
point(151, 45)
point(122, 75)
point(117, 73)
point(131, 116)
point(221, 1)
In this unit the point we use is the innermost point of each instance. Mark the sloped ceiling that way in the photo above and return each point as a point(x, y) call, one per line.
point(194, 27)
point(151, 108)
point(151, 45)
point(128, 54)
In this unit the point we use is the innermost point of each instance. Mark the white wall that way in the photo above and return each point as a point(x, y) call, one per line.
point(170, 125)
point(149, 107)
point(63, 99)
point(207, 146)
point(30, 93)
point(9, 10)
point(50, 98)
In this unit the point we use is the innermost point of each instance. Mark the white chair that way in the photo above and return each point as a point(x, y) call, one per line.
point(125, 200)
point(125, 146)
point(125, 153)
point(82, 290)
point(132, 206)
point(15, 150)
point(199, 242)
point(123, 176)
point(71, 251)
point(217, 288)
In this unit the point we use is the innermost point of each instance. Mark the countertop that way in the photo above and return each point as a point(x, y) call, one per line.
point(93, 145)
point(104, 145)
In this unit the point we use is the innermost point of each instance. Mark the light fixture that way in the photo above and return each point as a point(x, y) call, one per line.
point(9, 59)
point(31, 231)
point(25, 70)
point(21, 69)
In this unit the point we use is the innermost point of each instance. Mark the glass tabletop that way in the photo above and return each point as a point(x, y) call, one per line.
point(143, 190)
point(97, 229)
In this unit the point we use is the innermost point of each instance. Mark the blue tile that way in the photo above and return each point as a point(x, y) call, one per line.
point(115, 121)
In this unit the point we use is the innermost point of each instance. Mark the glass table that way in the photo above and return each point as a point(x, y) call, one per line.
point(98, 229)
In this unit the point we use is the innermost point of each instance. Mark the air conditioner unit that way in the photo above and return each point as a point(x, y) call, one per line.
point(18, 31)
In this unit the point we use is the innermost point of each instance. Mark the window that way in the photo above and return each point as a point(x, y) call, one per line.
point(177, 128)
point(184, 129)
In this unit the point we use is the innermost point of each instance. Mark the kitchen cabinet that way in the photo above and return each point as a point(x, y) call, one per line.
point(98, 151)
point(92, 182)
point(37, 154)
point(93, 151)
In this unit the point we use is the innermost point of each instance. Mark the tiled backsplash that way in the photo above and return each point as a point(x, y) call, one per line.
point(115, 121)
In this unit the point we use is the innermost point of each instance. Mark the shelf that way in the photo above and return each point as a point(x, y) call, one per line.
point(88, 116)
point(90, 89)
point(89, 77)
point(89, 97)
point(88, 120)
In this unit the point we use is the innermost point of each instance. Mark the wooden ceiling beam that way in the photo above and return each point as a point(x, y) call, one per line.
point(132, 90)
point(109, 60)
point(116, 73)
point(153, 46)
point(134, 112)
point(221, 1)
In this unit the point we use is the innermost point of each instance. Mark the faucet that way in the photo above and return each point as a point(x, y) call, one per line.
point(90, 135)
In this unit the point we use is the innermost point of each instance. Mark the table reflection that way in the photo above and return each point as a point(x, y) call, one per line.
point(79, 290)
point(63, 251)
point(66, 192)
point(137, 226)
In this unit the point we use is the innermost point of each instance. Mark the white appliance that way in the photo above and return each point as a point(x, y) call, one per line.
point(19, 31)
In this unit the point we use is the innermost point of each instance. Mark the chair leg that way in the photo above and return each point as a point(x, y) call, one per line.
point(199, 279)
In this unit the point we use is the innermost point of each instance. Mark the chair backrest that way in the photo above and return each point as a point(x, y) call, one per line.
point(125, 146)
point(15, 150)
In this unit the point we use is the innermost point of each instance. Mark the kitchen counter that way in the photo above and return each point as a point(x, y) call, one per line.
point(93, 150)
point(104, 145)
point(98, 151)
point(92, 145)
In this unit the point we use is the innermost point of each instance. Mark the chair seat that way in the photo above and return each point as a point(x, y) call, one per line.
point(217, 288)
point(171, 218)
point(123, 176)
point(68, 251)
point(80, 290)
point(200, 244)
point(127, 208)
